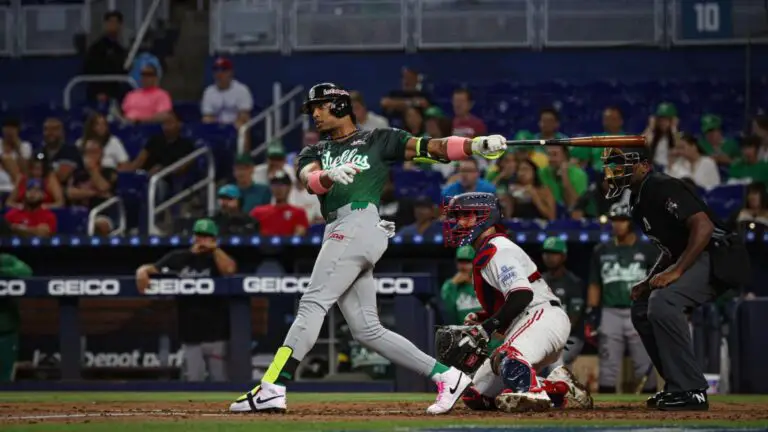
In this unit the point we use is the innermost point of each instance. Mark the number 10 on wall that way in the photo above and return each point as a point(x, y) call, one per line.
point(706, 19)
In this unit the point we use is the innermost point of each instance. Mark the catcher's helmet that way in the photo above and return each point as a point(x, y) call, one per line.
point(458, 227)
point(617, 165)
point(341, 103)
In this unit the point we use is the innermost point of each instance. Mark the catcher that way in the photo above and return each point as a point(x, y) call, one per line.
point(518, 304)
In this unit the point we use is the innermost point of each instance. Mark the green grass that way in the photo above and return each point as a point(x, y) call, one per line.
point(276, 424)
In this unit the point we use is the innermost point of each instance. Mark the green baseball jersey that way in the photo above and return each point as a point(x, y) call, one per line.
point(729, 147)
point(370, 151)
point(458, 301)
point(570, 290)
point(616, 268)
point(11, 267)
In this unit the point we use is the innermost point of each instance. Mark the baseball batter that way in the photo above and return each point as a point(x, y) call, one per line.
point(517, 303)
point(347, 172)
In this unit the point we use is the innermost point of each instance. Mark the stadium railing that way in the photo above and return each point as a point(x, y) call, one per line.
point(102, 208)
point(209, 182)
point(272, 118)
point(80, 79)
point(141, 34)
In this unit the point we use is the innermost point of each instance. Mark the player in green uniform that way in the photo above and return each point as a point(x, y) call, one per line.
point(617, 266)
point(347, 171)
point(10, 267)
point(458, 292)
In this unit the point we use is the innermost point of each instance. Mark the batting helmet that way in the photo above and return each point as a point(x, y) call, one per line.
point(341, 103)
point(468, 215)
point(618, 164)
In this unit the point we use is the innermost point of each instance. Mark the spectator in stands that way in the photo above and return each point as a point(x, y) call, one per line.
point(39, 170)
point(164, 149)
point(300, 197)
point(426, 224)
point(469, 180)
point(755, 206)
point(532, 200)
point(502, 173)
point(93, 183)
point(230, 218)
point(309, 137)
point(528, 152)
point(760, 129)
point(661, 132)
point(566, 181)
point(150, 103)
point(281, 218)
point(366, 120)
point(748, 167)
point(549, 124)
point(203, 321)
point(464, 123)
point(227, 100)
point(14, 154)
point(252, 194)
point(713, 144)
point(689, 161)
point(106, 56)
point(507, 204)
point(64, 158)
point(32, 219)
point(458, 293)
point(392, 209)
point(613, 124)
point(409, 95)
point(593, 202)
point(276, 162)
point(96, 129)
point(413, 121)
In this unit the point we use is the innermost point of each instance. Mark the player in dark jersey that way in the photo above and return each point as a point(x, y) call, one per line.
point(699, 259)
point(347, 171)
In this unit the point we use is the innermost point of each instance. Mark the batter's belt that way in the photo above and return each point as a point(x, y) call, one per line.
point(347, 209)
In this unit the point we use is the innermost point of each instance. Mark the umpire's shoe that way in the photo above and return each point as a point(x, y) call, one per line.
point(694, 400)
point(653, 401)
point(264, 398)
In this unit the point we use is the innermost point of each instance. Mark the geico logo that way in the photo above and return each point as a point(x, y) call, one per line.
point(86, 287)
point(291, 284)
point(180, 286)
point(12, 288)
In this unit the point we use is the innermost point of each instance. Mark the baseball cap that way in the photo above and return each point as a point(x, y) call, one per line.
point(243, 159)
point(34, 184)
point(710, 122)
point(423, 201)
point(554, 244)
point(666, 109)
point(433, 112)
point(206, 227)
point(229, 191)
point(275, 151)
point(465, 253)
point(280, 177)
point(223, 63)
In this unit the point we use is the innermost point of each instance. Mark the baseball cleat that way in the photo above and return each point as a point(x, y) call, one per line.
point(263, 398)
point(511, 402)
point(578, 396)
point(653, 401)
point(694, 400)
point(478, 402)
point(450, 386)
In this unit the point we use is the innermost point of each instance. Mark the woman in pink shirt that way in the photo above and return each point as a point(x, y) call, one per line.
point(148, 104)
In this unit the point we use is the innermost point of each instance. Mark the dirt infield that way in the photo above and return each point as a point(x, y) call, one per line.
point(67, 412)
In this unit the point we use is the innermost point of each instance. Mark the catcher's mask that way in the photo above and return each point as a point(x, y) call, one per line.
point(341, 103)
point(618, 167)
point(468, 215)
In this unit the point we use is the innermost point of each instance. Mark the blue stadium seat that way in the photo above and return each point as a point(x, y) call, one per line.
point(71, 220)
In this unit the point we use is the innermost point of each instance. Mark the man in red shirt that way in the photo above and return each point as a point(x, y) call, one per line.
point(32, 219)
point(281, 218)
point(464, 123)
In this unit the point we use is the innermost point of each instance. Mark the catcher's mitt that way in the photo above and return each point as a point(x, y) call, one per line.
point(464, 347)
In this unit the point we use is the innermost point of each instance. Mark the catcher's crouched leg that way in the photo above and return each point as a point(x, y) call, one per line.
point(577, 395)
point(522, 391)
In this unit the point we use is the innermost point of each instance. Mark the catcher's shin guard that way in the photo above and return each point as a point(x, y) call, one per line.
point(476, 401)
point(516, 372)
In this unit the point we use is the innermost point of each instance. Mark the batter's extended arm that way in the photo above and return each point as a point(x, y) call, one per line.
point(453, 148)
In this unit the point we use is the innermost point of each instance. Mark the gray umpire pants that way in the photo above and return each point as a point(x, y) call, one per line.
point(616, 335)
point(661, 321)
point(343, 274)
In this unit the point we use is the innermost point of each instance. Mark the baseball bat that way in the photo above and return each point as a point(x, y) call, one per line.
point(588, 141)
point(644, 379)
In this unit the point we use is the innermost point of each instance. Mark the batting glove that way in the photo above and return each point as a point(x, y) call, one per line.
point(388, 227)
point(343, 174)
point(489, 147)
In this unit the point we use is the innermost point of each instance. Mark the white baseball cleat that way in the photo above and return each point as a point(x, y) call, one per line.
point(265, 397)
point(450, 386)
point(578, 396)
point(521, 402)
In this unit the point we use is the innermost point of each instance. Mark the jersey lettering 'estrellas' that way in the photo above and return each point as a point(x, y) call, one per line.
point(660, 207)
point(617, 268)
point(371, 151)
point(502, 267)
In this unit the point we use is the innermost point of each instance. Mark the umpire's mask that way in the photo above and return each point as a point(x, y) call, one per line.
point(618, 167)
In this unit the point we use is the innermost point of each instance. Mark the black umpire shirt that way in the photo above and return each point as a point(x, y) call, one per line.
point(201, 318)
point(660, 207)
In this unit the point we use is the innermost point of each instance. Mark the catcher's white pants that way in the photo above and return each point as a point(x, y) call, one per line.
point(539, 334)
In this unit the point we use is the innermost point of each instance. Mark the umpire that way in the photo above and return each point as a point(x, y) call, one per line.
point(699, 260)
